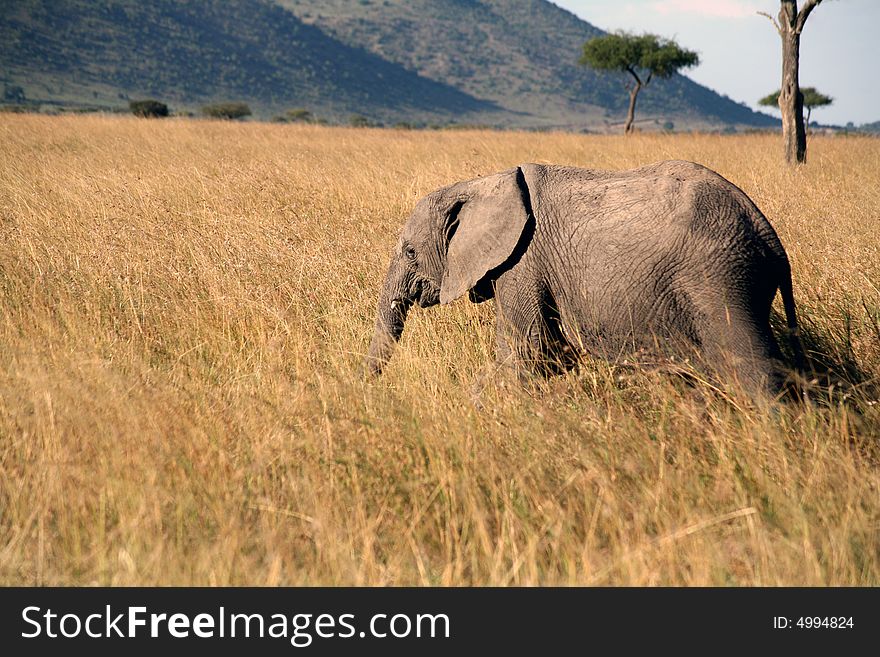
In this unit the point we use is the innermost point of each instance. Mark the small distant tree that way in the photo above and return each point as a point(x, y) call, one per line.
point(297, 115)
point(148, 108)
point(812, 98)
point(229, 111)
point(359, 121)
point(644, 57)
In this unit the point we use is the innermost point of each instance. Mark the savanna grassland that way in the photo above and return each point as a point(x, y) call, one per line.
point(184, 309)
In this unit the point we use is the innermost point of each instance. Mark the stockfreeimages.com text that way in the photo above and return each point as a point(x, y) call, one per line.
point(299, 629)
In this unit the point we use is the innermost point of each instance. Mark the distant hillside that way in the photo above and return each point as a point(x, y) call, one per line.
point(206, 50)
point(870, 127)
point(521, 54)
point(498, 62)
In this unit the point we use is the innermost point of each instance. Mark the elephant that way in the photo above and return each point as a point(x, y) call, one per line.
point(670, 259)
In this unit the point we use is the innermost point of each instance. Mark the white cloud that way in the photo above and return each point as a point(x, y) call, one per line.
point(713, 8)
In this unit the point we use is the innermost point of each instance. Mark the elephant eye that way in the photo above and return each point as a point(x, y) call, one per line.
point(409, 252)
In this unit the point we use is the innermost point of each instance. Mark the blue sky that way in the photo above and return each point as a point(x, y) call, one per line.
point(741, 51)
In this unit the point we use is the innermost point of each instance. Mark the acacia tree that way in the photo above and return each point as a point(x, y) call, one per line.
point(812, 98)
point(791, 100)
point(643, 56)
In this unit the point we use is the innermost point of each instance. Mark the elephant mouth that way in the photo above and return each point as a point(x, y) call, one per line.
point(428, 297)
point(398, 310)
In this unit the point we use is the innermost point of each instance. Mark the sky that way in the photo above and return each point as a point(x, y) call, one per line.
point(741, 53)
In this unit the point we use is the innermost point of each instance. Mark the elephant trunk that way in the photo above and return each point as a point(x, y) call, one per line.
point(390, 317)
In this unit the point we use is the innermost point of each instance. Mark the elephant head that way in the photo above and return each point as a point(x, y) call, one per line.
point(457, 240)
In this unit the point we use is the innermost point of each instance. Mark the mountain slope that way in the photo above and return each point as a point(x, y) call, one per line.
point(521, 54)
point(500, 62)
point(194, 52)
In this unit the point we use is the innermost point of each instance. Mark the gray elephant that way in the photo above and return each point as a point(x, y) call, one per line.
point(670, 259)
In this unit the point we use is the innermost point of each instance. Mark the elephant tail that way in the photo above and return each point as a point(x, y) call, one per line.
point(791, 320)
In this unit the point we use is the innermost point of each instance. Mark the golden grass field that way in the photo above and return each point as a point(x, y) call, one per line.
point(184, 308)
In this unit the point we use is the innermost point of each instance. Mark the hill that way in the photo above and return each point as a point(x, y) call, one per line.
point(521, 54)
point(510, 63)
point(195, 52)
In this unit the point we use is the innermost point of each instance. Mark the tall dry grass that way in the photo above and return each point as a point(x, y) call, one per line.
point(183, 311)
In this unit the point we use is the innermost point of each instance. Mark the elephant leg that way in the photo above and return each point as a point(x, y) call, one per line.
point(505, 371)
point(746, 351)
point(515, 352)
point(529, 338)
point(518, 347)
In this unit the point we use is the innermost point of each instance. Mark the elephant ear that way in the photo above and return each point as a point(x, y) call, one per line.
point(492, 214)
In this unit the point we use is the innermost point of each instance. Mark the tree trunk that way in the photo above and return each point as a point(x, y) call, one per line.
point(791, 100)
point(633, 94)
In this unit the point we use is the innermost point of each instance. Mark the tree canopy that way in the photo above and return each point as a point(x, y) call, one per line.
point(812, 98)
point(643, 56)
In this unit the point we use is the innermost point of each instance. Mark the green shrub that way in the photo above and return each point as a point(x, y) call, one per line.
point(13, 94)
point(148, 108)
point(227, 110)
point(297, 115)
point(359, 121)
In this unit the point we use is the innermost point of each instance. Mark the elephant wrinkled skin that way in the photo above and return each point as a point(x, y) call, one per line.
point(668, 259)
